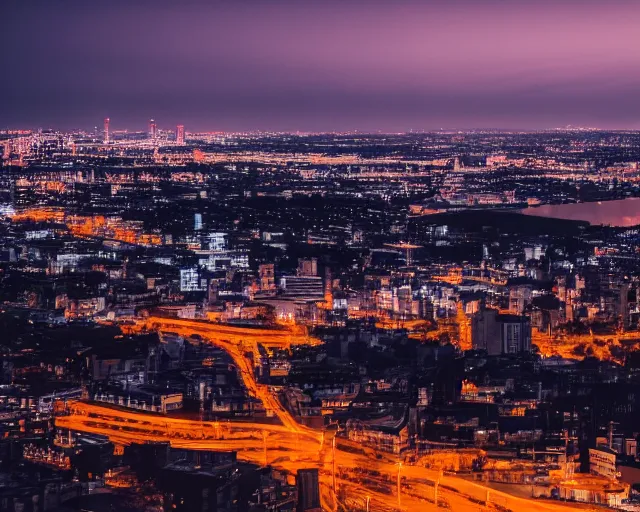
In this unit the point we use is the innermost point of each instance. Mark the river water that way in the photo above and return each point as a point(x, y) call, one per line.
point(620, 213)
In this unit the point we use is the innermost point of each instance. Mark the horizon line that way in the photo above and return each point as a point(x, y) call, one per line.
point(411, 131)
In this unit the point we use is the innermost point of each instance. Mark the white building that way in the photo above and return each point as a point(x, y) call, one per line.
point(191, 281)
point(602, 461)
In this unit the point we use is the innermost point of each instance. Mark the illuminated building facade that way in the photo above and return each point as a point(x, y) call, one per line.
point(180, 135)
point(153, 129)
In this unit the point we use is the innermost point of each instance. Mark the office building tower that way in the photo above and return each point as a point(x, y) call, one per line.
point(6, 152)
point(153, 129)
point(192, 280)
point(500, 334)
point(328, 287)
point(308, 267)
point(106, 130)
point(197, 221)
point(516, 334)
point(308, 491)
point(267, 277)
point(520, 296)
point(180, 134)
point(217, 241)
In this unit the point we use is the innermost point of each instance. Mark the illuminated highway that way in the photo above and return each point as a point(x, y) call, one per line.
point(349, 481)
point(239, 342)
point(91, 226)
point(612, 346)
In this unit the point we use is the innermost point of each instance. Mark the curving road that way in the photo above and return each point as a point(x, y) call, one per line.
point(359, 477)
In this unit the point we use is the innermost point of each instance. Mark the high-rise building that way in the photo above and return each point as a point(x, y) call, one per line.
point(180, 134)
point(267, 277)
point(308, 267)
point(153, 129)
point(308, 491)
point(6, 153)
point(197, 222)
point(520, 296)
point(191, 280)
point(486, 333)
point(218, 241)
point(516, 333)
point(106, 130)
point(328, 287)
point(499, 333)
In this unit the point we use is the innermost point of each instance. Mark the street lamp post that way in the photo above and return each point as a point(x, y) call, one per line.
point(399, 487)
point(264, 444)
point(333, 463)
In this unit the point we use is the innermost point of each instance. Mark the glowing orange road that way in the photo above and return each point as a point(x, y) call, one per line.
point(572, 346)
point(237, 341)
point(225, 334)
point(90, 226)
point(125, 424)
point(288, 446)
point(278, 446)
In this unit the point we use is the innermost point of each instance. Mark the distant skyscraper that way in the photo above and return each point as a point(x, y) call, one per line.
point(153, 129)
point(180, 134)
point(197, 221)
point(106, 130)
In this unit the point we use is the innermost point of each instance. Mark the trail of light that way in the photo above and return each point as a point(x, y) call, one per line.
point(288, 446)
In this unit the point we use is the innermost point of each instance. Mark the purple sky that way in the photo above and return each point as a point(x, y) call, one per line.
point(316, 65)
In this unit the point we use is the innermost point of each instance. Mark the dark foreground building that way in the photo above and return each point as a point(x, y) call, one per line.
point(308, 491)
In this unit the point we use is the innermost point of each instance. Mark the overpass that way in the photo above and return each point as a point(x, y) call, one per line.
point(389, 484)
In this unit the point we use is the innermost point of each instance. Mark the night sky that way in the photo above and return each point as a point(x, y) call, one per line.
point(320, 65)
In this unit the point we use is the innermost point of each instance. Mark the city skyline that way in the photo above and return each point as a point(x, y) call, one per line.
point(320, 255)
point(323, 67)
point(338, 321)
